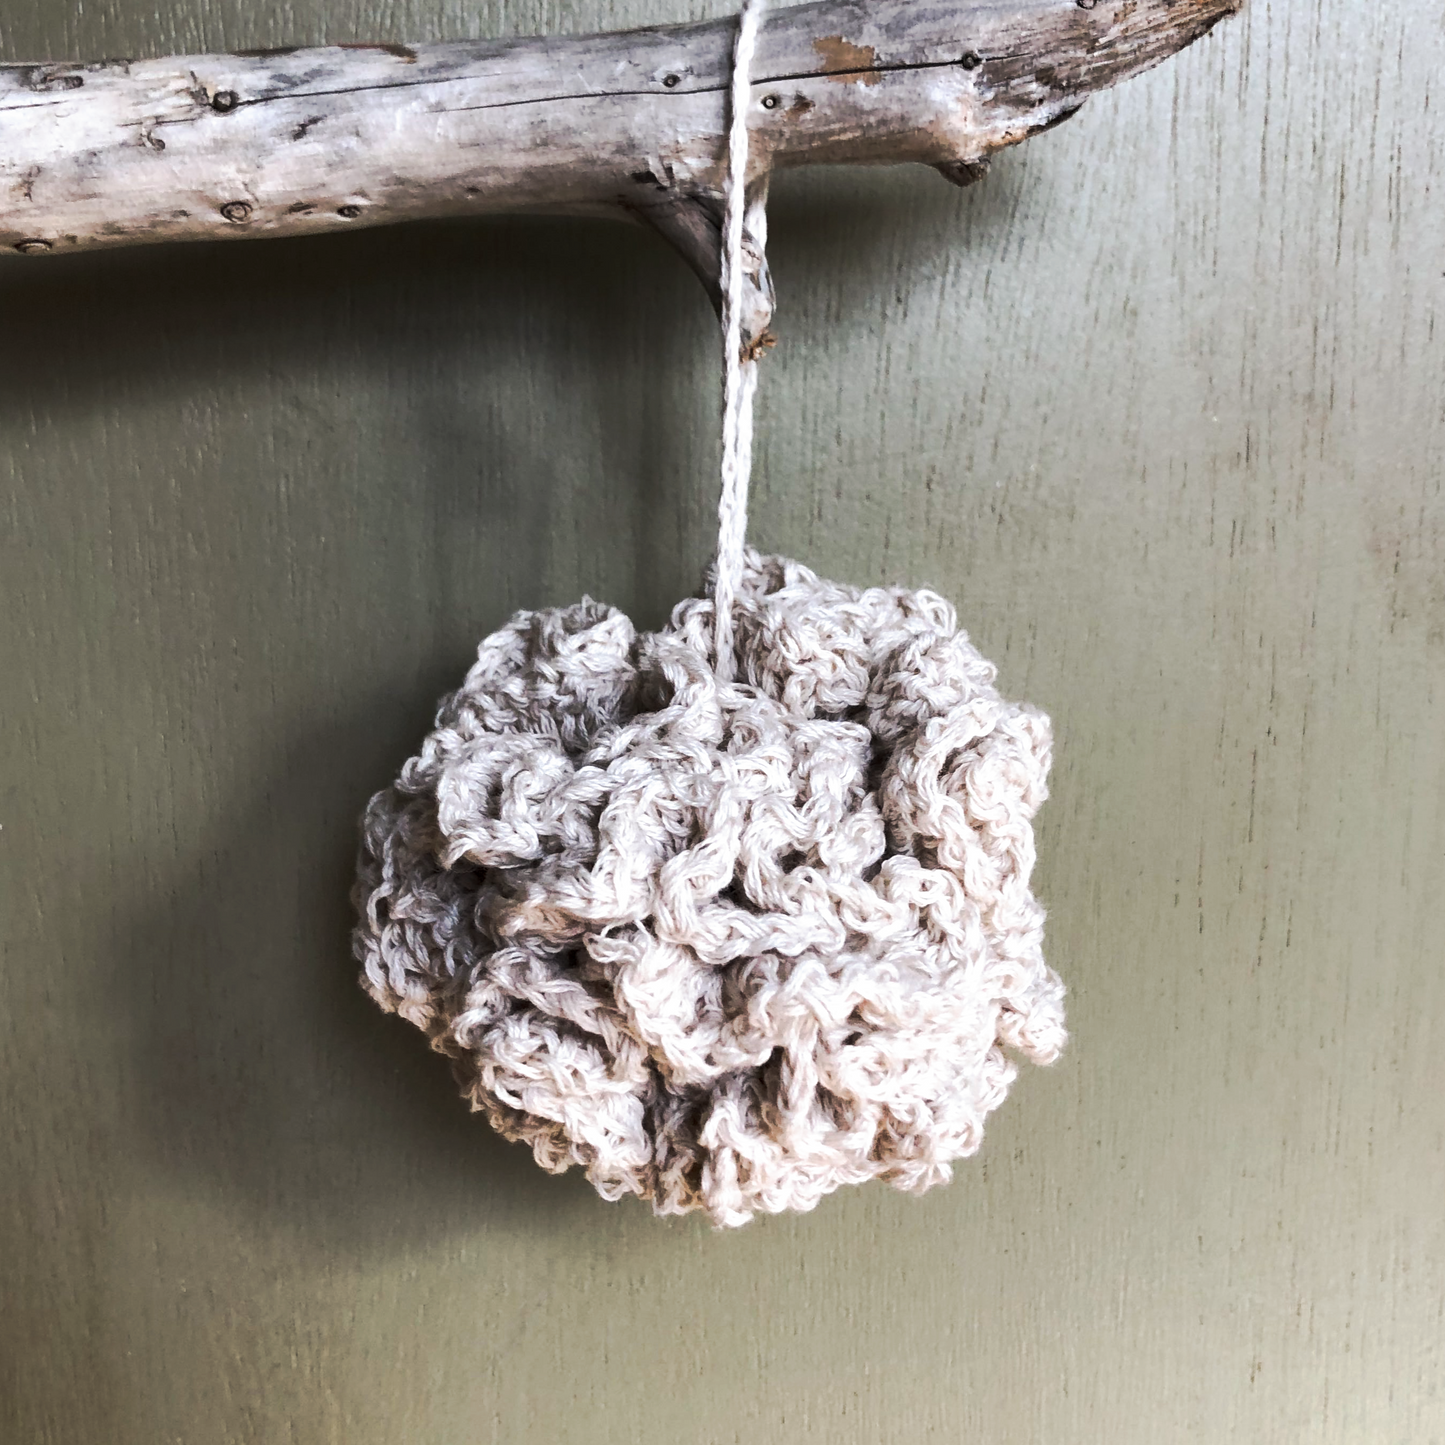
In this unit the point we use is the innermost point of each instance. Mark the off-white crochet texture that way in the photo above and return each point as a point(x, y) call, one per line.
point(725, 946)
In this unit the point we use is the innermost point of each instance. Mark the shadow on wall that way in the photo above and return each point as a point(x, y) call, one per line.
point(260, 1066)
point(249, 1059)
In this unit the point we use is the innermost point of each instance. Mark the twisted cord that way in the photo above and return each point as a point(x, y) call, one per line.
point(740, 373)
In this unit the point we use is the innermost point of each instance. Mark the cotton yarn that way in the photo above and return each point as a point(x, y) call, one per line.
point(733, 913)
point(740, 370)
point(724, 945)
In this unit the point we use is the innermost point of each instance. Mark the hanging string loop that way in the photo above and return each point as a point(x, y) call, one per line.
point(740, 373)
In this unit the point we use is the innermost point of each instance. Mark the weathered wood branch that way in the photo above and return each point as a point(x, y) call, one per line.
point(292, 142)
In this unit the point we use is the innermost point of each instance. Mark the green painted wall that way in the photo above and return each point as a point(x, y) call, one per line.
point(1162, 405)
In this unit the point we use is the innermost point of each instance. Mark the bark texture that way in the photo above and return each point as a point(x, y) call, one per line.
point(297, 141)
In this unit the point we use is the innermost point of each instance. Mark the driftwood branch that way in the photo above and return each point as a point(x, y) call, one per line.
point(292, 142)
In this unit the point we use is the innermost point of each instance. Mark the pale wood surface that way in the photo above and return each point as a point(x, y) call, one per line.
point(1160, 406)
point(303, 140)
point(293, 140)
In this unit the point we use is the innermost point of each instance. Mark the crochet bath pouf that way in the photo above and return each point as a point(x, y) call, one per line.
point(726, 946)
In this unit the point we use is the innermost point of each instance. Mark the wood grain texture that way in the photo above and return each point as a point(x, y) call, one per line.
point(291, 141)
point(295, 140)
point(1159, 405)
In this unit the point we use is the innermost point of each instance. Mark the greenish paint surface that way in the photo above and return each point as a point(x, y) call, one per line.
point(1160, 405)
